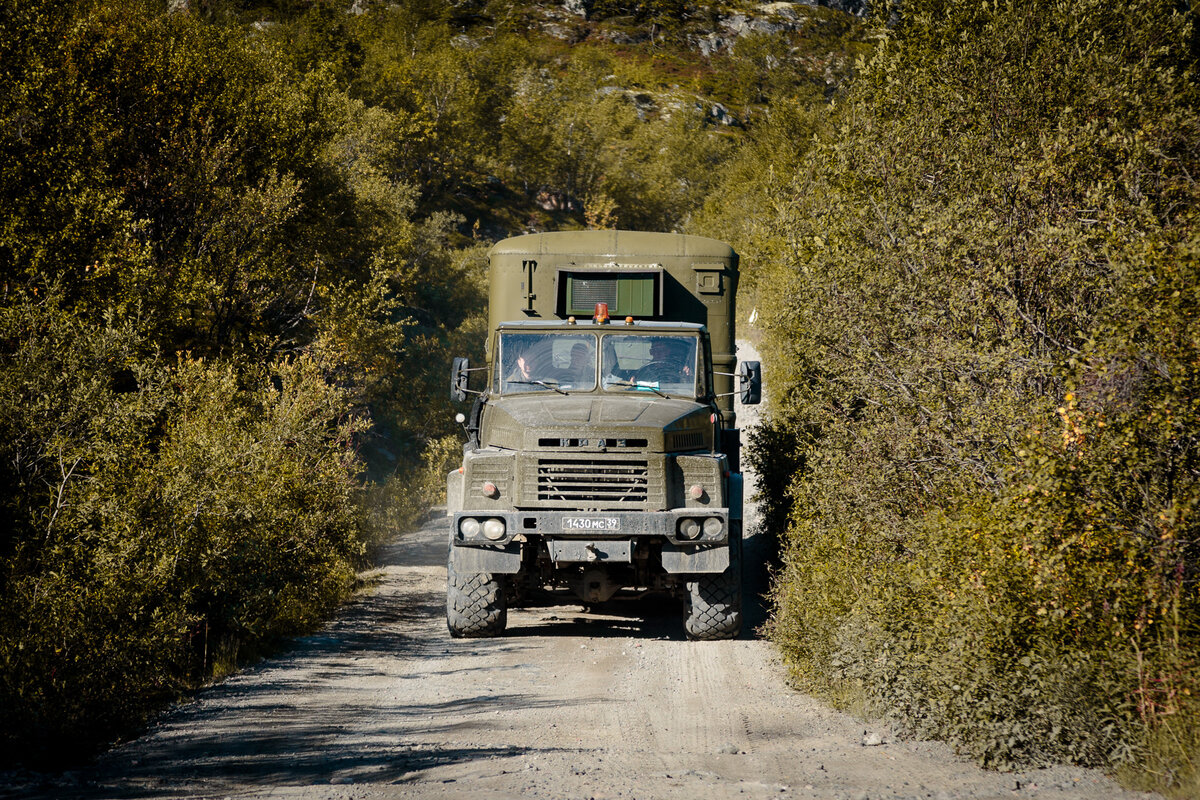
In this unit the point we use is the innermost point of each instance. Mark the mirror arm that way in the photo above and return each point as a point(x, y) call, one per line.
point(476, 369)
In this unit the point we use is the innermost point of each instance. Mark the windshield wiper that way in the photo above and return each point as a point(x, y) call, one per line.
point(542, 383)
point(636, 385)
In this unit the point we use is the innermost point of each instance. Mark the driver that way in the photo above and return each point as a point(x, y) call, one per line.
point(522, 367)
point(529, 365)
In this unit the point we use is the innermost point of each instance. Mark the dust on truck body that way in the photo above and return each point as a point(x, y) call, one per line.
point(602, 451)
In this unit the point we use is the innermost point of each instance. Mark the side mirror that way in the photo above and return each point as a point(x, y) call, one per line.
point(750, 382)
point(458, 379)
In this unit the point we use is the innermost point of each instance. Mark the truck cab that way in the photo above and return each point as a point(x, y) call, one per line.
point(599, 457)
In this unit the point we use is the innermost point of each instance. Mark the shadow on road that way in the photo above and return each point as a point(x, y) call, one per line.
point(651, 617)
point(277, 722)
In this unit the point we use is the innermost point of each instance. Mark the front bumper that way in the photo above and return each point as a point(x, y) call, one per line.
point(595, 525)
point(590, 536)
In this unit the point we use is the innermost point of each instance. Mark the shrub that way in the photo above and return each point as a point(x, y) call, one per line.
point(981, 331)
point(165, 515)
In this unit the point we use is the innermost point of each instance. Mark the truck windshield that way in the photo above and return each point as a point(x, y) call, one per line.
point(662, 364)
point(545, 362)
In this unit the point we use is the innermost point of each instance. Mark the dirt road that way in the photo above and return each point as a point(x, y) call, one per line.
point(384, 704)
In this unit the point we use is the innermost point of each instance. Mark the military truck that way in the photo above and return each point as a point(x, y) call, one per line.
point(602, 448)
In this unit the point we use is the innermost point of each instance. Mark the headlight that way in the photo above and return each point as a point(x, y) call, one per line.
point(494, 529)
point(688, 528)
point(712, 527)
point(469, 527)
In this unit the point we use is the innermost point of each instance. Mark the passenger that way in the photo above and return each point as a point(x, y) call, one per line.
point(582, 372)
point(534, 368)
point(669, 362)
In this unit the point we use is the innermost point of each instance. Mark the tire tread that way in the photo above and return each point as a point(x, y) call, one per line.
point(713, 607)
point(475, 603)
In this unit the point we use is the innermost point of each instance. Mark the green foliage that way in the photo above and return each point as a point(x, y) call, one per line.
point(163, 515)
point(171, 186)
point(980, 323)
point(752, 182)
point(230, 238)
point(500, 120)
point(168, 171)
point(578, 138)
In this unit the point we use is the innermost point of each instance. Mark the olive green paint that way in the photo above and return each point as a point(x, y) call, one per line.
point(696, 282)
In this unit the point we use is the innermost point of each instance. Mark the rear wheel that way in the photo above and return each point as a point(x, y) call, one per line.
point(713, 607)
point(475, 603)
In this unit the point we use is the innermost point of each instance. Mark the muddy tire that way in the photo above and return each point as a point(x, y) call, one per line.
point(713, 606)
point(475, 603)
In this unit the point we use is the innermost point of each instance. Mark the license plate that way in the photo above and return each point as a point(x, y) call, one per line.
point(591, 523)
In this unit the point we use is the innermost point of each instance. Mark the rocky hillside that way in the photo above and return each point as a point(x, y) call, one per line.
point(548, 115)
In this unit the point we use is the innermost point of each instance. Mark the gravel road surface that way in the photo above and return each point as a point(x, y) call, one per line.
point(382, 703)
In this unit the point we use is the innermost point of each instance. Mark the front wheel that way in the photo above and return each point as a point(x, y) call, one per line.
point(475, 603)
point(713, 608)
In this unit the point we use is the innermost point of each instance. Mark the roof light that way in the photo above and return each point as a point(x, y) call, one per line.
point(601, 315)
point(629, 320)
point(570, 320)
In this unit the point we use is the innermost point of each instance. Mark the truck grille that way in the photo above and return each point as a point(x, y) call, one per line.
point(617, 481)
point(685, 440)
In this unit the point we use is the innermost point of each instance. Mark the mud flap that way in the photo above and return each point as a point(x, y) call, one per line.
point(735, 495)
point(694, 558)
point(503, 560)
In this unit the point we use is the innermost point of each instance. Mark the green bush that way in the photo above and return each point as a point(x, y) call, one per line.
point(212, 276)
point(980, 327)
point(165, 514)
